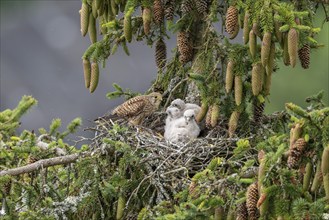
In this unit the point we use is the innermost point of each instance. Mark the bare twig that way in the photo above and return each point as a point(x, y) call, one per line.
point(44, 163)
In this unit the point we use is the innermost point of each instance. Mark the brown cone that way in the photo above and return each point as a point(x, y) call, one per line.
point(185, 47)
point(208, 117)
point(252, 199)
point(147, 19)
point(201, 6)
point(304, 56)
point(241, 211)
point(187, 6)
point(158, 12)
point(296, 152)
point(232, 22)
point(160, 54)
point(169, 10)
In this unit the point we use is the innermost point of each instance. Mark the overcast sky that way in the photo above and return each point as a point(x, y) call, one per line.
point(41, 49)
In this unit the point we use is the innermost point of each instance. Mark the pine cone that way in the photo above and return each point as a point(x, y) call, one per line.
point(231, 22)
point(32, 159)
point(246, 28)
point(304, 56)
point(94, 77)
point(252, 44)
point(266, 48)
point(286, 59)
point(6, 188)
point(214, 115)
point(258, 111)
point(201, 7)
point(187, 6)
point(170, 10)
point(192, 188)
point(160, 54)
point(185, 47)
point(251, 203)
point(208, 117)
point(84, 18)
point(257, 78)
point(86, 72)
point(233, 123)
point(238, 88)
point(92, 29)
point(241, 211)
point(296, 152)
point(147, 19)
point(270, 64)
point(229, 76)
point(293, 46)
point(127, 29)
point(158, 12)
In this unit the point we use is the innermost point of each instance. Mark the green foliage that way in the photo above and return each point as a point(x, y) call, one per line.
point(120, 92)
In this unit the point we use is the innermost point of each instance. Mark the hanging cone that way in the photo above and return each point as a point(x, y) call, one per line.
point(266, 48)
point(158, 12)
point(208, 117)
point(127, 29)
point(169, 10)
point(7, 187)
point(202, 113)
point(84, 18)
point(232, 22)
point(229, 76)
point(270, 64)
point(92, 29)
point(252, 199)
point(252, 44)
point(160, 54)
point(255, 28)
point(187, 6)
point(296, 152)
point(94, 77)
point(293, 46)
point(86, 72)
point(214, 115)
point(257, 78)
point(233, 123)
point(241, 211)
point(185, 47)
point(32, 159)
point(246, 28)
point(147, 19)
point(238, 88)
point(201, 7)
point(304, 56)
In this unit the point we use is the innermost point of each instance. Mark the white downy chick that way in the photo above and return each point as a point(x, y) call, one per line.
point(184, 128)
point(173, 114)
point(179, 103)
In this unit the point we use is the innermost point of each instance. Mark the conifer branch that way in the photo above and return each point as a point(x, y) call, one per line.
point(44, 163)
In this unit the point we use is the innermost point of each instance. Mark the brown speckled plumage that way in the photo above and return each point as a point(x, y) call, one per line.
point(138, 108)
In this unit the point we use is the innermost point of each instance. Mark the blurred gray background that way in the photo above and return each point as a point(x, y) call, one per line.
point(41, 49)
